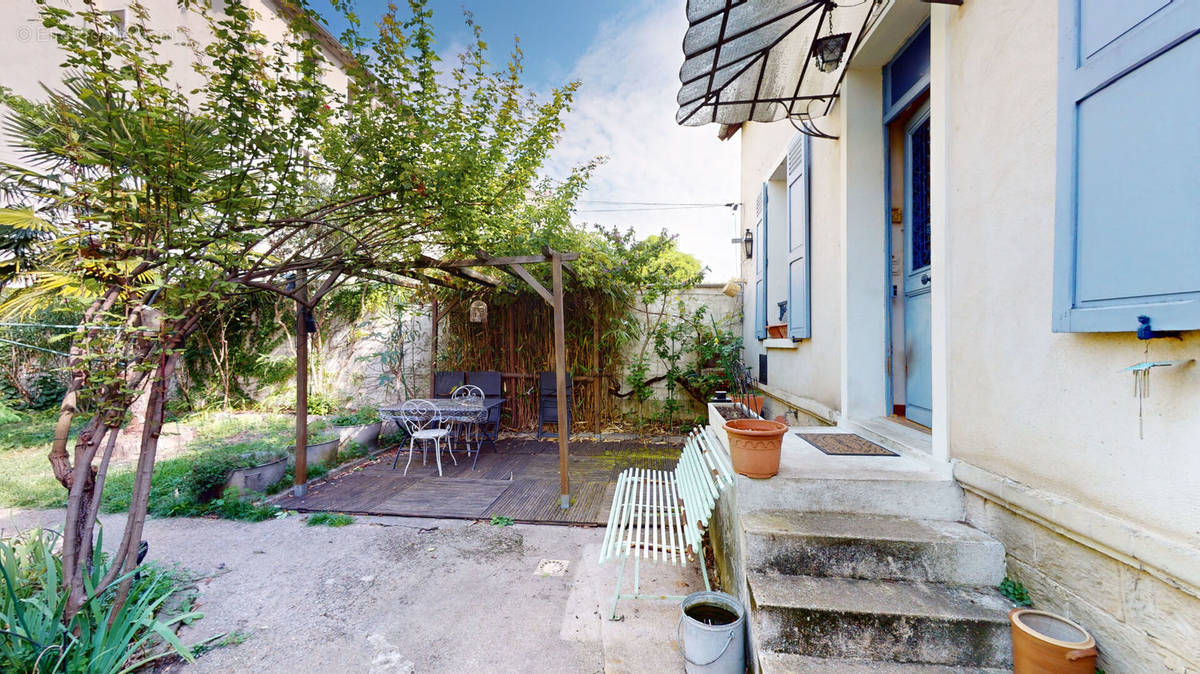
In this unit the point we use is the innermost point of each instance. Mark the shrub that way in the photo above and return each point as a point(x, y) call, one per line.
point(101, 638)
point(329, 519)
point(360, 417)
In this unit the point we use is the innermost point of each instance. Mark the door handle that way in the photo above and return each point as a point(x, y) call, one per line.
point(925, 279)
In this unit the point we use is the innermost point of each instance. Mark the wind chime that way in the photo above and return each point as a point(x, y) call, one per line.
point(1141, 371)
point(478, 311)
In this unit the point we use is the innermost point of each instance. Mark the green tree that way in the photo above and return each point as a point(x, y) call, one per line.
point(158, 208)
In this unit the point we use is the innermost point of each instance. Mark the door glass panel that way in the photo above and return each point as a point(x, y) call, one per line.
point(920, 196)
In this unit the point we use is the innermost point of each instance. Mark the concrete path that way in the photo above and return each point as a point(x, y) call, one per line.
point(391, 595)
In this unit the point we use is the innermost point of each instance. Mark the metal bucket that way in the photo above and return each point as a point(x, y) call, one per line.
point(711, 633)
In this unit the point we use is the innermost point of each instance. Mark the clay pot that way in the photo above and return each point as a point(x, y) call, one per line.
point(1044, 643)
point(777, 330)
point(754, 446)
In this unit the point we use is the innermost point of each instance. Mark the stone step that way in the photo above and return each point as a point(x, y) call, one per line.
point(928, 623)
point(771, 663)
point(871, 547)
point(915, 494)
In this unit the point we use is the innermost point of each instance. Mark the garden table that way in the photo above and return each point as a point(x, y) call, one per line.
point(463, 410)
point(448, 409)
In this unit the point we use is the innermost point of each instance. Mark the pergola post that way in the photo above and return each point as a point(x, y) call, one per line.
point(560, 378)
point(301, 471)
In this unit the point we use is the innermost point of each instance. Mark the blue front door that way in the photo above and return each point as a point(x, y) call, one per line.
point(918, 277)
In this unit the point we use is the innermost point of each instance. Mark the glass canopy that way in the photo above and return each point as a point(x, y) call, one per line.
point(753, 60)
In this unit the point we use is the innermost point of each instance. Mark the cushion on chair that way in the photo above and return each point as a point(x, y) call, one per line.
point(444, 383)
point(491, 383)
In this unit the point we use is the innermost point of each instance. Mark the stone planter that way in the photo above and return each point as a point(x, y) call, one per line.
point(316, 452)
point(260, 477)
point(366, 435)
point(716, 420)
point(754, 446)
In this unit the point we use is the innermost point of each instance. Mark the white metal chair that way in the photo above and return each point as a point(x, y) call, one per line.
point(423, 423)
point(469, 430)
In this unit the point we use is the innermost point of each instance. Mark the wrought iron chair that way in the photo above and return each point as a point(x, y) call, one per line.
point(492, 384)
point(548, 404)
point(444, 383)
point(468, 430)
point(423, 423)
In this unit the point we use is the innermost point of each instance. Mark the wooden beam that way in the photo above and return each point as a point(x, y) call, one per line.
point(550, 252)
point(560, 379)
point(430, 279)
point(570, 270)
point(433, 344)
point(497, 261)
point(300, 486)
point(597, 387)
point(463, 273)
point(533, 283)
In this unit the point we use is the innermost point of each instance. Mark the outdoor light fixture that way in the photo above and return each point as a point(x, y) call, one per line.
point(828, 51)
point(747, 242)
point(478, 311)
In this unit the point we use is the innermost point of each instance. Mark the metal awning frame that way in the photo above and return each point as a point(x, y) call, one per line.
point(803, 120)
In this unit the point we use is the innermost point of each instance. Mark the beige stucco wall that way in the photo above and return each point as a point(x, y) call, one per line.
point(1102, 525)
point(1054, 411)
point(813, 368)
point(1042, 429)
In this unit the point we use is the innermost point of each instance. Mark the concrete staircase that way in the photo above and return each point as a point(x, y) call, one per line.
point(897, 585)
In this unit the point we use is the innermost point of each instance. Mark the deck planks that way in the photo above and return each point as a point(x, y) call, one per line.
point(519, 481)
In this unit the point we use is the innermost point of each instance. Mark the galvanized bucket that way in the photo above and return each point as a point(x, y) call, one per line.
point(712, 633)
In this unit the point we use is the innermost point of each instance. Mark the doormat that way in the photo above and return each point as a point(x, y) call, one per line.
point(844, 444)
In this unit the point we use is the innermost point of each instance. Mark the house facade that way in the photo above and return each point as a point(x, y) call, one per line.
point(963, 271)
point(30, 58)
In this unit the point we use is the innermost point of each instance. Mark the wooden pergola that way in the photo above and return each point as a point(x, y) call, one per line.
point(446, 273)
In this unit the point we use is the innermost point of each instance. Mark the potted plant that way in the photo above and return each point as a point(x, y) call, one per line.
point(361, 426)
point(754, 446)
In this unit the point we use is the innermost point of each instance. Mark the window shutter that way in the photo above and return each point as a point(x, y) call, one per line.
point(799, 293)
point(1128, 185)
point(760, 264)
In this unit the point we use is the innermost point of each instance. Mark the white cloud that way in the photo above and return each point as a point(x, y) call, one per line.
point(625, 110)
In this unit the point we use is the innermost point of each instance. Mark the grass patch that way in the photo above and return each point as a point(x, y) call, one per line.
point(329, 520)
point(27, 480)
point(501, 521)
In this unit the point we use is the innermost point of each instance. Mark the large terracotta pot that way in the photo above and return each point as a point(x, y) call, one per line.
point(1044, 643)
point(754, 446)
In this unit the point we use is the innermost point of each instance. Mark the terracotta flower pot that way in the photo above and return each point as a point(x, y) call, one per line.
point(1045, 643)
point(754, 446)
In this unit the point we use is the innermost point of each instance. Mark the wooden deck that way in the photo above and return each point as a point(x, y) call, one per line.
point(520, 481)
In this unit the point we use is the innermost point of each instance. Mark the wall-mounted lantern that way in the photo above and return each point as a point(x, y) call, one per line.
point(478, 311)
point(747, 241)
point(829, 49)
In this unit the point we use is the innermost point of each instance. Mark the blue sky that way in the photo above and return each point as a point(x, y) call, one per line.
point(626, 54)
point(554, 33)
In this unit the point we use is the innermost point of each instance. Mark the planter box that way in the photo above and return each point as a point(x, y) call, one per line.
point(258, 478)
point(317, 452)
point(366, 435)
point(777, 330)
point(717, 421)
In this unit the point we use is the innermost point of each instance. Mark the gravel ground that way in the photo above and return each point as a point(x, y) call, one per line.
point(391, 595)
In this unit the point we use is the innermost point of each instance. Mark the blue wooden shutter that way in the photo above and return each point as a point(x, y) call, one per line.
point(799, 293)
point(1127, 242)
point(760, 265)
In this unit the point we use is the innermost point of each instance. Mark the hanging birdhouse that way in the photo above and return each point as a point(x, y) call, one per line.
point(478, 311)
